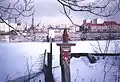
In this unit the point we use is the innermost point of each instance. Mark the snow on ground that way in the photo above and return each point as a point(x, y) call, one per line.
point(12, 59)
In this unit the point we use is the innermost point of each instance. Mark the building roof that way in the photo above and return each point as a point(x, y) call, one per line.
point(90, 24)
point(51, 28)
point(58, 28)
point(12, 32)
point(103, 24)
point(110, 22)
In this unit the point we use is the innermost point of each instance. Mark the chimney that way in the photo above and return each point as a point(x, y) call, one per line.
point(84, 21)
point(94, 21)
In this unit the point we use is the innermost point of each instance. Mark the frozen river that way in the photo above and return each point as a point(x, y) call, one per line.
point(13, 57)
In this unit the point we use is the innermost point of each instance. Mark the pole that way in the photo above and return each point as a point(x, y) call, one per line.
point(48, 68)
point(62, 68)
point(50, 56)
point(65, 55)
point(50, 76)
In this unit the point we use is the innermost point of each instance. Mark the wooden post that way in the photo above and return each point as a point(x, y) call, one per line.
point(50, 75)
point(50, 57)
point(65, 55)
point(48, 67)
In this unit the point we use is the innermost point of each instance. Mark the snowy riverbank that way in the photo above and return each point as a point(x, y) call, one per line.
point(12, 59)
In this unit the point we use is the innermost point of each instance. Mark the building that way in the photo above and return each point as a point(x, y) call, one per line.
point(100, 26)
point(99, 29)
point(97, 21)
point(17, 26)
point(56, 31)
point(4, 27)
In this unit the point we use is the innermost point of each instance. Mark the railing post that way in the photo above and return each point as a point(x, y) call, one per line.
point(65, 55)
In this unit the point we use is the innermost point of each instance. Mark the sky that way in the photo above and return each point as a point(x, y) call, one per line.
point(47, 12)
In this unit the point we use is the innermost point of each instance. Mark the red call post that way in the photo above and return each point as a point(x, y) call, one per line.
point(65, 53)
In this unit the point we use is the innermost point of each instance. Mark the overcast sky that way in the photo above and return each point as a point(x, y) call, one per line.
point(48, 12)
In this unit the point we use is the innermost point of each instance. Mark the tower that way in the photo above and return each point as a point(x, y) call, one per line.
point(32, 26)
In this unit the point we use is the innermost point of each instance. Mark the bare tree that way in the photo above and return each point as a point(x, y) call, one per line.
point(111, 64)
point(29, 75)
point(104, 8)
point(14, 10)
point(8, 78)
